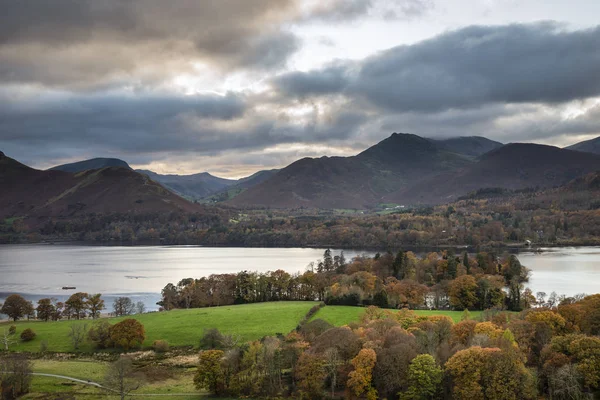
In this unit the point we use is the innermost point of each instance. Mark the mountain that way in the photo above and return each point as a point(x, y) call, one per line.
point(35, 194)
point(241, 185)
point(353, 182)
point(513, 166)
point(472, 146)
point(194, 186)
point(94, 163)
point(588, 146)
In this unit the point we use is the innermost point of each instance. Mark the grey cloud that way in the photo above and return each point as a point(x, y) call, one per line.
point(98, 41)
point(339, 10)
point(466, 68)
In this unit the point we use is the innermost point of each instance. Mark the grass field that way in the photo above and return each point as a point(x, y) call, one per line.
point(181, 327)
point(343, 315)
point(178, 382)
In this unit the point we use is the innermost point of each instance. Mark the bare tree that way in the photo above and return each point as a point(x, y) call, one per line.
point(15, 375)
point(120, 377)
point(140, 307)
point(123, 306)
point(332, 361)
point(7, 339)
point(77, 333)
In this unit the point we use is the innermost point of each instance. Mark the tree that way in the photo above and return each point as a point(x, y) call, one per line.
point(16, 307)
point(120, 377)
point(140, 307)
point(127, 333)
point(15, 376)
point(27, 335)
point(210, 375)
point(123, 306)
point(77, 334)
point(463, 292)
point(45, 309)
point(332, 361)
point(76, 306)
point(95, 305)
point(424, 378)
point(310, 374)
point(99, 334)
point(359, 382)
point(7, 339)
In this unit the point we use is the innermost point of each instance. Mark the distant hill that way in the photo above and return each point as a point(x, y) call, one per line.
point(194, 186)
point(240, 186)
point(473, 146)
point(513, 166)
point(588, 146)
point(94, 163)
point(31, 193)
point(353, 182)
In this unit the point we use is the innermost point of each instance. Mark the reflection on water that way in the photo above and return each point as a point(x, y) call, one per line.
point(565, 270)
point(139, 272)
point(38, 271)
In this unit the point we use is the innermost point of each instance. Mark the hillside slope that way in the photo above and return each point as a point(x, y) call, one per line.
point(195, 186)
point(588, 146)
point(31, 193)
point(513, 166)
point(472, 146)
point(353, 182)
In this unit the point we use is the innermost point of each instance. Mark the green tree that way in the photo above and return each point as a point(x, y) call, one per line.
point(463, 292)
point(77, 305)
point(424, 378)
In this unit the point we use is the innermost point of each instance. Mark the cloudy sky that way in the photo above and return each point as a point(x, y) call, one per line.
point(234, 86)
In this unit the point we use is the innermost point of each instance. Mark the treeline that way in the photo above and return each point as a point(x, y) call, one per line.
point(400, 280)
point(78, 306)
point(540, 353)
point(546, 218)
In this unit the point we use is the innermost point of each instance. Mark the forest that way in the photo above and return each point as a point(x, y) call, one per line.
point(401, 280)
point(481, 219)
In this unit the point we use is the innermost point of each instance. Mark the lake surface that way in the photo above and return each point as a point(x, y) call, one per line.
point(37, 271)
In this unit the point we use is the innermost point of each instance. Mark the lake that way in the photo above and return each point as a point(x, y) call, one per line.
point(37, 271)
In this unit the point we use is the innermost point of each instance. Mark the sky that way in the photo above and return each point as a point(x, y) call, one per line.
point(235, 86)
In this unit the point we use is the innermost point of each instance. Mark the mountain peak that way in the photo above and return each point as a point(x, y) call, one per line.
point(93, 163)
point(2, 155)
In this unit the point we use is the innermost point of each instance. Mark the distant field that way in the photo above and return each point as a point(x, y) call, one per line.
point(343, 315)
point(182, 327)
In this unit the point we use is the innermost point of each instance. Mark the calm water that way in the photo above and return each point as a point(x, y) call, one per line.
point(37, 271)
point(141, 272)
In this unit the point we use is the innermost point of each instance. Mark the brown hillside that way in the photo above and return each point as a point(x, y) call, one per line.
point(27, 192)
point(514, 166)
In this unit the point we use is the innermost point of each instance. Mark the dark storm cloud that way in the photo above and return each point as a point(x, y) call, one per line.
point(87, 42)
point(466, 68)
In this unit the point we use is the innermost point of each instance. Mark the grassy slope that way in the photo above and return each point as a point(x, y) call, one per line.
point(183, 327)
point(343, 315)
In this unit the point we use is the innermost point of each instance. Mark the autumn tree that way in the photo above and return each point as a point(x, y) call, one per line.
point(16, 307)
point(209, 374)
point(310, 374)
point(424, 379)
point(77, 306)
point(45, 309)
point(360, 379)
point(127, 333)
point(95, 305)
point(463, 292)
point(332, 364)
